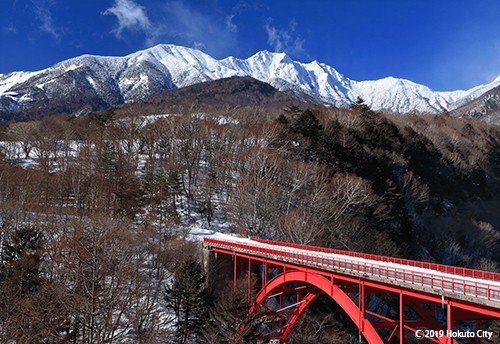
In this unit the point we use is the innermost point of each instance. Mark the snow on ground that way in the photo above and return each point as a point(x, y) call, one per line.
point(197, 228)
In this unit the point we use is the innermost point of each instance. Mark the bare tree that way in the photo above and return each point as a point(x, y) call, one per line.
point(319, 328)
point(258, 193)
point(98, 276)
point(344, 208)
point(413, 192)
point(156, 140)
point(127, 131)
point(189, 151)
point(299, 226)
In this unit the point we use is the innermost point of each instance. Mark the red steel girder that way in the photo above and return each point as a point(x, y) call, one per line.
point(326, 286)
point(456, 307)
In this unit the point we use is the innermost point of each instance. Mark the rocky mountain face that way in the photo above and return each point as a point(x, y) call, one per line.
point(486, 107)
point(88, 83)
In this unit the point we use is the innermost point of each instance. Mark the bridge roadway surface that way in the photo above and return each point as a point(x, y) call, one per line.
point(473, 292)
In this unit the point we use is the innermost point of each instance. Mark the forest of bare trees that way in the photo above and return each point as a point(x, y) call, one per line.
point(95, 212)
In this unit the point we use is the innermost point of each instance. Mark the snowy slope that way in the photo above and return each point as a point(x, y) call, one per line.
point(98, 81)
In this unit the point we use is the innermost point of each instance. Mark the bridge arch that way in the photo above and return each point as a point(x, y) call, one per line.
point(326, 286)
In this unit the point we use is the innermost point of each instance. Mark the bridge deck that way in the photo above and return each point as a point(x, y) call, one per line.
point(410, 275)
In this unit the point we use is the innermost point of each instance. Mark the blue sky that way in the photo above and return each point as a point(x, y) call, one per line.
point(446, 45)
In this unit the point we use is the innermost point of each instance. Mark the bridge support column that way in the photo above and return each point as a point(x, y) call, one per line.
point(235, 271)
point(449, 321)
point(361, 302)
point(249, 279)
point(264, 273)
point(478, 327)
point(401, 318)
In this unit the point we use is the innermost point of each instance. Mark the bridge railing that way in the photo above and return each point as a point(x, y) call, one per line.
point(432, 266)
point(478, 289)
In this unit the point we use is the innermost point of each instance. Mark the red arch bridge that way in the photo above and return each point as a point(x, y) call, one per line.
point(438, 303)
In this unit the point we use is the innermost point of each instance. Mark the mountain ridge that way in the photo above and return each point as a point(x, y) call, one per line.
point(486, 107)
point(92, 82)
point(235, 91)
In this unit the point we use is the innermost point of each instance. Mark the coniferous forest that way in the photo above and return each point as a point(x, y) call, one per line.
point(97, 212)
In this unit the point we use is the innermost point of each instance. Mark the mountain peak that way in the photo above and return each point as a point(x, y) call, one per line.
point(90, 82)
point(265, 55)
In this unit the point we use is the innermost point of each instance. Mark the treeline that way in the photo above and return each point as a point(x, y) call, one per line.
point(93, 210)
point(420, 185)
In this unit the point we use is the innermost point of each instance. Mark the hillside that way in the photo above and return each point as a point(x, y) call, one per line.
point(105, 206)
point(415, 170)
point(241, 91)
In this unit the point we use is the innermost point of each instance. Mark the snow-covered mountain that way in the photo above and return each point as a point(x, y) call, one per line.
point(88, 82)
point(486, 107)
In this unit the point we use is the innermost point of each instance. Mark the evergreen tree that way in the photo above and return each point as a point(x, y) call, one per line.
point(175, 184)
point(188, 297)
point(292, 110)
point(20, 268)
point(229, 321)
point(401, 223)
point(282, 119)
point(362, 107)
point(107, 159)
point(308, 125)
point(21, 259)
point(102, 119)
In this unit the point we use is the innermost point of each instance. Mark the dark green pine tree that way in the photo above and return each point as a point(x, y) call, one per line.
point(292, 110)
point(188, 297)
point(150, 185)
point(282, 119)
point(401, 223)
point(308, 125)
point(20, 267)
point(312, 145)
point(175, 188)
point(174, 182)
point(229, 321)
point(107, 159)
point(361, 106)
point(102, 119)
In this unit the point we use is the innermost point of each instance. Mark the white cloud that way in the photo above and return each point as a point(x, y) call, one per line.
point(199, 45)
point(176, 22)
point(131, 16)
point(10, 28)
point(189, 27)
point(230, 25)
point(283, 41)
point(42, 11)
